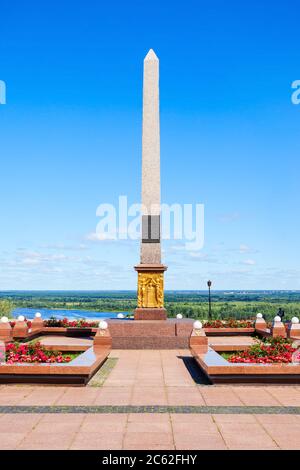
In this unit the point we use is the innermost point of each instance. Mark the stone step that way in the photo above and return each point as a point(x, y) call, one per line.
point(150, 342)
point(150, 334)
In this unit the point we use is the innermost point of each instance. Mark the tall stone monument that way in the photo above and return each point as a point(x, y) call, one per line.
point(150, 270)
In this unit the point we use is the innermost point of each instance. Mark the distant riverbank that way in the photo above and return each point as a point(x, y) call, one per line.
point(29, 313)
point(190, 304)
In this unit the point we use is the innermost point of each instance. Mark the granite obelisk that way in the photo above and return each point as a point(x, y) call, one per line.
point(150, 270)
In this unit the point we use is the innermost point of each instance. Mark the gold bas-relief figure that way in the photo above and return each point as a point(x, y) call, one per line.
point(150, 290)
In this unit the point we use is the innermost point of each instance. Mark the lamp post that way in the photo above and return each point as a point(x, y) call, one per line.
point(209, 299)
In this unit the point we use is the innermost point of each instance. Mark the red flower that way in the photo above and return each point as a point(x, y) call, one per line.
point(65, 323)
point(31, 353)
point(271, 350)
point(229, 323)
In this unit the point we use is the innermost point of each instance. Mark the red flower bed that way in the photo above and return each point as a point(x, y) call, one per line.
point(12, 323)
point(31, 353)
point(269, 351)
point(65, 323)
point(229, 323)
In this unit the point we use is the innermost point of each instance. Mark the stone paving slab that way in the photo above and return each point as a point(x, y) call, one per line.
point(150, 378)
point(136, 395)
point(156, 431)
point(149, 400)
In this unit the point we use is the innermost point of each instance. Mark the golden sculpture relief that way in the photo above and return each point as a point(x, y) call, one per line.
point(150, 290)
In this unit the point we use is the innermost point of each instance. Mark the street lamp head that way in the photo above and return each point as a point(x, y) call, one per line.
point(209, 283)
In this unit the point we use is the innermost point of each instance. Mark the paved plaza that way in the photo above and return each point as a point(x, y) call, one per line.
point(149, 400)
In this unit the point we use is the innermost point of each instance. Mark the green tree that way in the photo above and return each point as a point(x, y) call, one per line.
point(6, 307)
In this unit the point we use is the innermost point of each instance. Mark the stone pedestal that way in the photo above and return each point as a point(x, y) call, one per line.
point(20, 330)
point(150, 314)
point(260, 324)
point(37, 324)
point(102, 339)
point(150, 292)
point(5, 332)
point(294, 330)
point(199, 341)
point(278, 329)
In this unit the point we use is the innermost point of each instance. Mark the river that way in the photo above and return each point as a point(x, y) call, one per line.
point(46, 313)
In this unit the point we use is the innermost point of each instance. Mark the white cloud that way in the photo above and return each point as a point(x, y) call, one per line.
point(34, 258)
point(249, 262)
point(30, 261)
point(204, 257)
point(99, 237)
point(247, 249)
point(244, 248)
point(62, 246)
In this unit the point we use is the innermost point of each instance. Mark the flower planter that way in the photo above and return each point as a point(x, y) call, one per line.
point(218, 370)
point(269, 361)
point(77, 372)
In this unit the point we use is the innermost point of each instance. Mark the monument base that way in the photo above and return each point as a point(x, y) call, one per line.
point(151, 334)
point(150, 314)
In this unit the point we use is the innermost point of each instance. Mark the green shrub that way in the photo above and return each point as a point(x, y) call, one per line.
point(6, 308)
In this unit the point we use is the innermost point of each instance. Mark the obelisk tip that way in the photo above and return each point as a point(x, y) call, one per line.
point(151, 55)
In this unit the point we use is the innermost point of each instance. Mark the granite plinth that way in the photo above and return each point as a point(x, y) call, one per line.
point(150, 334)
point(150, 314)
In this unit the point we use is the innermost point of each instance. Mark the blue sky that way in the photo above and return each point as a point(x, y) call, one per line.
point(70, 139)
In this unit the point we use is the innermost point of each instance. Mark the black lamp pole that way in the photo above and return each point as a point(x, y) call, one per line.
point(209, 299)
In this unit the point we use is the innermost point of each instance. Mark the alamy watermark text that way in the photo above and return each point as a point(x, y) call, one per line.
point(2, 92)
